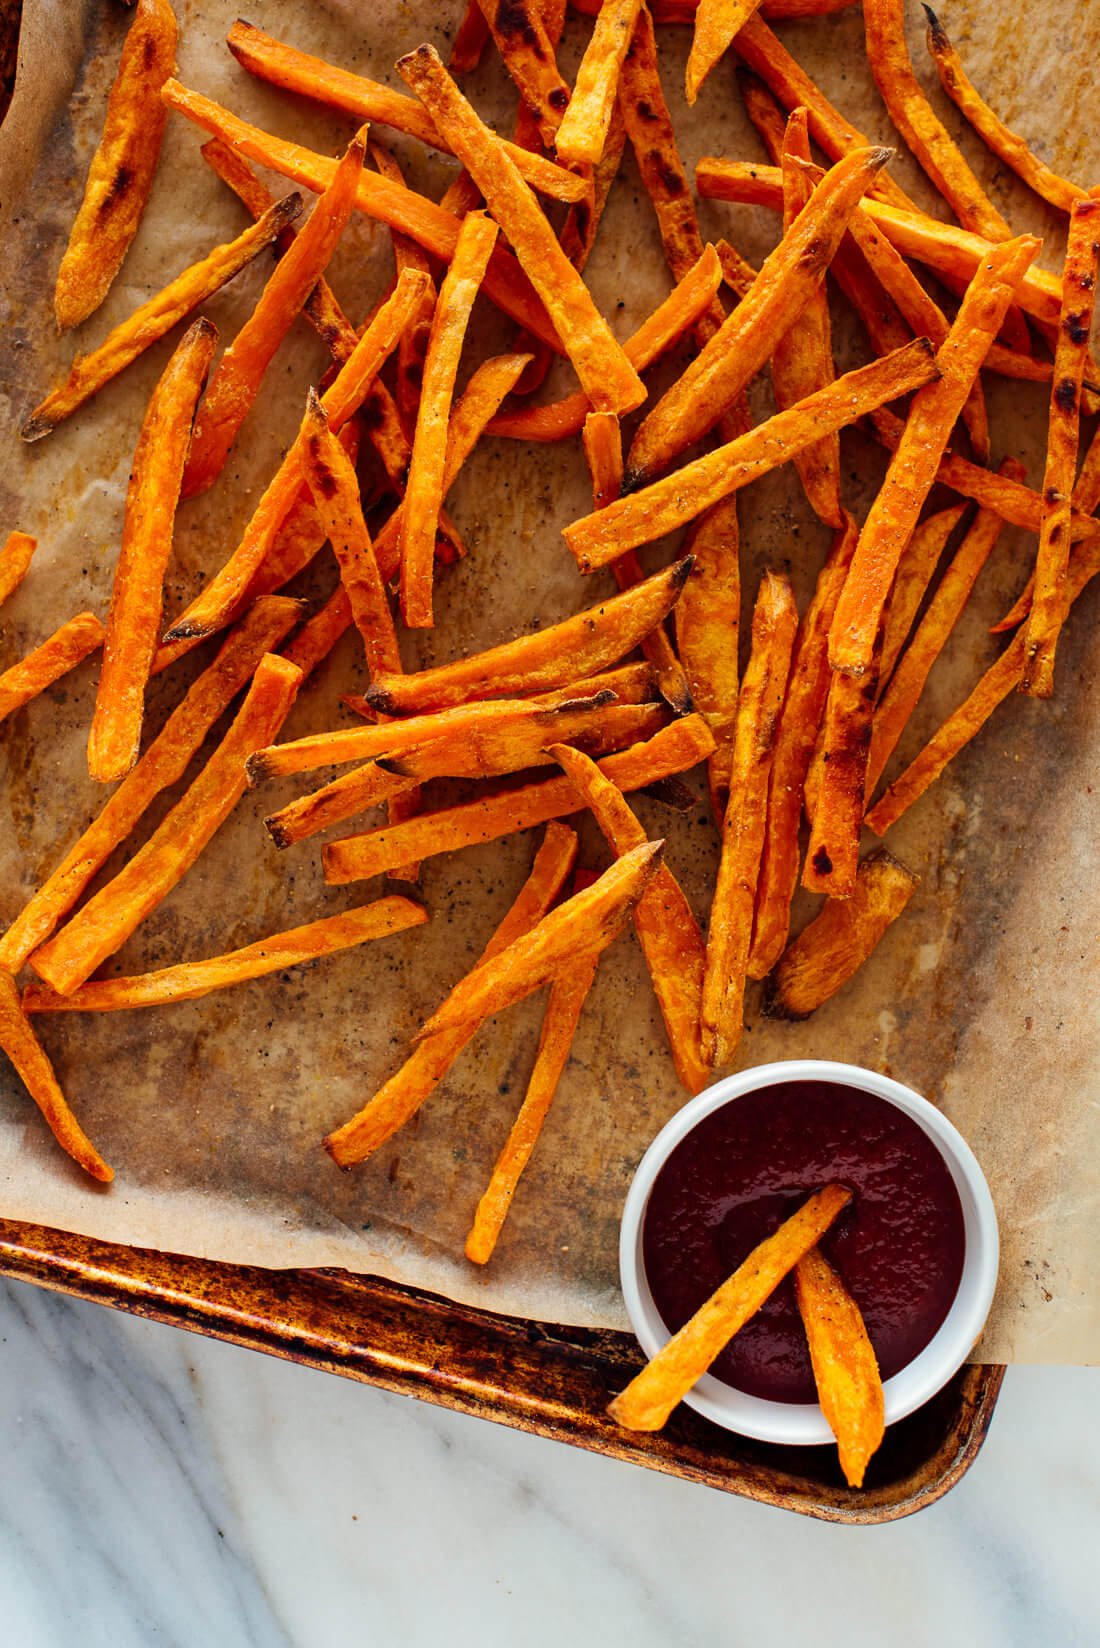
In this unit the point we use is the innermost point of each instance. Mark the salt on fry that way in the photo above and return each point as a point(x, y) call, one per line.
point(137, 596)
point(19, 1042)
point(123, 166)
point(849, 1385)
point(156, 316)
point(108, 919)
point(15, 562)
point(829, 952)
point(707, 618)
point(648, 1400)
point(398, 1100)
point(55, 657)
point(717, 23)
point(583, 131)
point(915, 571)
point(774, 622)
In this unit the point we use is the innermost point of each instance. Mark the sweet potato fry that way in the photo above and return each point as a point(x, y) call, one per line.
point(668, 503)
point(1049, 605)
point(916, 569)
point(346, 797)
point(583, 131)
point(568, 995)
point(316, 639)
point(15, 562)
point(935, 409)
point(774, 622)
point(35, 1071)
point(683, 11)
point(148, 324)
point(800, 722)
point(707, 618)
point(582, 221)
point(236, 382)
point(583, 925)
point(63, 651)
point(191, 979)
point(413, 346)
point(108, 919)
point(832, 854)
point(163, 763)
point(137, 598)
point(431, 226)
point(217, 602)
point(401, 1097)
point(789, 276)
point(679, 312)
point(606, 375)
point(827, 953)
point(673, 750)
point(650, 1397)
point(548, 658)
point(663, 920)
point(470, 40)
point(297, 71)
point(717, 22)
point(528, 54)
point(849, 1386)
point(425, 490)
point(123, 166)
point(906, 684)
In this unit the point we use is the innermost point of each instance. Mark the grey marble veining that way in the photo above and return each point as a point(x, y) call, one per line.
point(160, 1490)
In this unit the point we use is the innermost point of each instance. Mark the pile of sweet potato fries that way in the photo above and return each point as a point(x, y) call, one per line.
point(807, 729)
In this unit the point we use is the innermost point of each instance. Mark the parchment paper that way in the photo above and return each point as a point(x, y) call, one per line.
point(211, 1112)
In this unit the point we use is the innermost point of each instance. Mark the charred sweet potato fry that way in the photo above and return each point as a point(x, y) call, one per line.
point(774, 622)
point(707, 618)
point(663, 920)
point(137, 598)
point(583, 131)
point(400, 1098)
point(849, 1385)
point(63, 651)
point(650, 1397)
point(157, 316)
point(527, 51)
point(668, 503)
point(827, 953)
point(915, 571)
point(191, 979)
point(35, 1071)
point(15, 562)
point(832, 854)
point(800, 722)
point(674, 749)
point(346, 797)
point(123, 166)
point(108, 919)
point(606, 375)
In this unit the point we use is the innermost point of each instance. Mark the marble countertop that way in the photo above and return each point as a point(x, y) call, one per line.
point(160, 1489)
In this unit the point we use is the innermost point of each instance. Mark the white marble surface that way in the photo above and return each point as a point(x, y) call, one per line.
point(161, 1491)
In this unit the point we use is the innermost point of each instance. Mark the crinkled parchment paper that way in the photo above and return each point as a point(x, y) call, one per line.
point(982, 997)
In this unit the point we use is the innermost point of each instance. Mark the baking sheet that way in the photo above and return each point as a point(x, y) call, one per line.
point(211, 1112)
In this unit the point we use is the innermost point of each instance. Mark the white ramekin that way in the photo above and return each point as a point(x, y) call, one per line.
point(804, 1422)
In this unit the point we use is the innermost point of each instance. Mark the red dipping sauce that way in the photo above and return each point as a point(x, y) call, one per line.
point(746, 1167)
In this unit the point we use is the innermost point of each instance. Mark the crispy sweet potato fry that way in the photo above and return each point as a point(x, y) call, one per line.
point(849, 1386)
point(236, 381)
point(297, 71)
point(668, 503)
point(907, 682)
point(401, 1097)
point(832, 854)
point(707, 619)
point(774, 622)
point(163, 763)
point(663, 920)
point(935, 409)
point(413, 345)
point(425, 490)
point(191, 979)
point(219, 600)
point(1049, 605)
point(717, 23)
point(548, 658)
point(583, 131)
point(606, 375)
point(827, 953)
point(527, 51)
point(583, 925)
point(650, 1397)
point(34, 1069)
point(108, 919)
point(432, 226)
point(789, 276)
point(15, 562)
point(63, 651)
point(470, 40)
point(346, 797)
point(673, 750)
point(123, 166)
point(916, 569)
point(800, 722)
point(137, 598)
point(156, 316)
point(582, 222)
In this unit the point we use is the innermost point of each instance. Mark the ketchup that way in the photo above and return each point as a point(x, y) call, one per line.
point(746, 1167)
